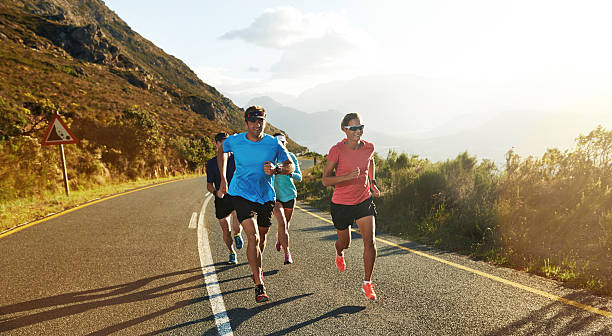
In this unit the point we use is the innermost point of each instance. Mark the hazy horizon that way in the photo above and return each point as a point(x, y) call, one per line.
point(457, 65)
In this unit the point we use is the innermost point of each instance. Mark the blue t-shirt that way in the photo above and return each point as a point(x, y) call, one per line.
point(212, 171)
point(250, 181)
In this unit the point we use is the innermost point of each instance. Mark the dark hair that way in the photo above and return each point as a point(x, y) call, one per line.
point(348, 117)
point(278, 133)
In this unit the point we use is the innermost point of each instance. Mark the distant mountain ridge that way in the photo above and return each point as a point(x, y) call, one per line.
point(439, 119)
point(400, 104)
point(320, 130)
point(527, 132)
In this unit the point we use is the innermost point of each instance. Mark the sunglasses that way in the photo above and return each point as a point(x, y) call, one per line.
point(354, 128)
point(254, 115)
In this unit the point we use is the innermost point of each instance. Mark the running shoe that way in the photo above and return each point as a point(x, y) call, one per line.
point(238, 241)
point(368, 290)
point(278, 245)
point(260, 293)
point(232, 259)
point(288, 259)
point(340, 263)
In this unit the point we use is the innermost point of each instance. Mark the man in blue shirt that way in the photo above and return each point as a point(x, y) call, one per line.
point(224, 206)
point(252, 186)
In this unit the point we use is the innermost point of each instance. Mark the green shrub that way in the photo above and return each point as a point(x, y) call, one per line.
point(195, 151)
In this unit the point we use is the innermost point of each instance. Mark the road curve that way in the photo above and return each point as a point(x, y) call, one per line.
point(131, 265)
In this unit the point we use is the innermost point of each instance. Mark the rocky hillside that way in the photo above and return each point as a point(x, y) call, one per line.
point(137, 110)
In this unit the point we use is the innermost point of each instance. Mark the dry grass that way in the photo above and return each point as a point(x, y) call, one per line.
point(22, 211)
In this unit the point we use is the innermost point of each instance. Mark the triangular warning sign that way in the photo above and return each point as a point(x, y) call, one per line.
point(58, 133)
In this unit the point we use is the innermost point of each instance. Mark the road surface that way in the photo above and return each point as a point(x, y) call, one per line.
point(152, 262)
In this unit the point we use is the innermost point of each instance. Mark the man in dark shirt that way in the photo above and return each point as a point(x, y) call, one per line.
point(223, 205)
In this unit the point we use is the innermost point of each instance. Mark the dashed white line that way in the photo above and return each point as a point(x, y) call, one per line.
point(215, 297)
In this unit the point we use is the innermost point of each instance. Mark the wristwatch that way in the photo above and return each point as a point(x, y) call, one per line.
point(277, 170)
point(373, 182)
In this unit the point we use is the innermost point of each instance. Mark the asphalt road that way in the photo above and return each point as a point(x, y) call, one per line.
point(131, 265)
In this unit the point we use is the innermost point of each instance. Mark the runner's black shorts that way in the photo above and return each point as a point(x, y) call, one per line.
point(345, 215)
point(246, 209)
point(223, 207)
point(287, 205)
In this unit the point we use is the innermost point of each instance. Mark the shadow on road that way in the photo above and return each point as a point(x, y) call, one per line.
point(181, 304)
point(237, 315)
point(68, 304)
point(338, 312)
point(559, 319)
point(329, 228)
point(321, 228)
point(81, 301)
point(387, 250)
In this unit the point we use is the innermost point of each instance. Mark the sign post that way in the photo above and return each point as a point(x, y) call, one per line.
point(58, 133)
point(64, 170)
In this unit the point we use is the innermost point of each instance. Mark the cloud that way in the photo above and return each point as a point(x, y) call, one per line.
point(313, 55)
point(283, 27)
point(309, 41)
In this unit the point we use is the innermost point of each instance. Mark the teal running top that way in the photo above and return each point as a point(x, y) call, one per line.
point(283, 184)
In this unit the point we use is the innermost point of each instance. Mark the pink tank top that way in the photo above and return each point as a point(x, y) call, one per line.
point(357, 190)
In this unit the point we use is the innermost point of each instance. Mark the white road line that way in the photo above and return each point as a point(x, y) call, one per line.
point(201, 217)
point(192, 222)
point(215, 297)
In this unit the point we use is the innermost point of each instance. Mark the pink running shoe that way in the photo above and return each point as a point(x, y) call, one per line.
point(278, 245)
point(340, 264)
point(368, 290)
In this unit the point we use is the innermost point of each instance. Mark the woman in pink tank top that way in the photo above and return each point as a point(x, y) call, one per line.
point(350, 169)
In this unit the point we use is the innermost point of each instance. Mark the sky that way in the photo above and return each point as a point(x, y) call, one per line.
point(287, 47)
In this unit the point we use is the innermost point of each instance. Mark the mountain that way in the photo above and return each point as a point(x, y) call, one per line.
point(242, 99)
point(87, 32)
point(137, 110)
point(320, 130)
point(526, 131)
point(439, 119)
point(415, 105)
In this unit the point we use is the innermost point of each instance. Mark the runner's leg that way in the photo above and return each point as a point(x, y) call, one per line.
point(263, 233)
point(227, 234)
point(281, 234)
point(253, 252)
point(367, 227)
point(344, 240)
point(288, 214)
point(235, 223)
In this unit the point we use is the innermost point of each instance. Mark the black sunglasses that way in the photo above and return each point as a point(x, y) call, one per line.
point(354, 128)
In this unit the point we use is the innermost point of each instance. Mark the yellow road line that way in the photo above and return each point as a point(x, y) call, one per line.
point(486, 275)
point(25, 226)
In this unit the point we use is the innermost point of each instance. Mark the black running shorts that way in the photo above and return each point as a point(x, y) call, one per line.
point(223, 207)
point(246, 209)
point(345, 215)
point(287, 205)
